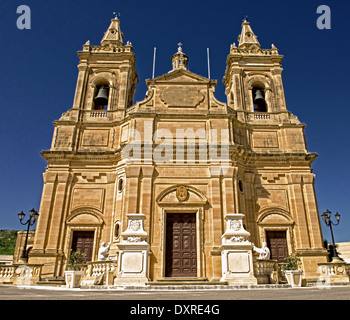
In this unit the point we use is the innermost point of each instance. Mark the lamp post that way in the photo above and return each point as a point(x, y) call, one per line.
point(326, 216)
point(33, 216)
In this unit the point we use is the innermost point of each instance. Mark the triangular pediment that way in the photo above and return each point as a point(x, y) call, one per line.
point(180, 75)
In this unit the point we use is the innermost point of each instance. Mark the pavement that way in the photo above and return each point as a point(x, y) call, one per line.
point(10, 292)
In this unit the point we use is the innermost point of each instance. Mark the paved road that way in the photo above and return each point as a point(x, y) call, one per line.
point(51, 293)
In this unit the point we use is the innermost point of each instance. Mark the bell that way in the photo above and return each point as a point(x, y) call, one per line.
point(259, 98)
point(102, 97)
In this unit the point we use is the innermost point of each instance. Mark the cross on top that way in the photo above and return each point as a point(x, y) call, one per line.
point(117, 14)
point(180, 49)
point(245, 18)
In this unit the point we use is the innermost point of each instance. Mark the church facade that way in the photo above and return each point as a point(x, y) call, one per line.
point(163, 180)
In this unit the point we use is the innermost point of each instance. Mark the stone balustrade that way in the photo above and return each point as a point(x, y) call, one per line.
point(7, 273)
point(99, 273)
point(21, 274)
point(261, 116)
point(98, 114)
point(334, 272)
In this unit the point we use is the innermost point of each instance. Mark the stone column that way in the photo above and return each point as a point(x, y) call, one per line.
point(236, 252)
point(133, 253)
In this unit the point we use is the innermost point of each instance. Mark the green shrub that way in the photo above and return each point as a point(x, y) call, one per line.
point(8, 240)
point(75, 260)
point(292, 262)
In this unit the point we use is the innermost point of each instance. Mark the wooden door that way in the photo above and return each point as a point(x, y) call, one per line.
point(277, 243)
point(181, 253)
point(83, 241)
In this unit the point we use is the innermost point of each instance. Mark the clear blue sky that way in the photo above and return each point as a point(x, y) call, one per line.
point(39, 71)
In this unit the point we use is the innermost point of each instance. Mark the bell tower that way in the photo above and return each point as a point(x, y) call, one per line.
point(80, 178)
point(272, 141)
point(253, 77)
point(107, 70)
point(105, 88)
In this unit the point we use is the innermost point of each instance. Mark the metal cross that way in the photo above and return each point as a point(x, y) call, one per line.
point(180, 44)
point(117, 14)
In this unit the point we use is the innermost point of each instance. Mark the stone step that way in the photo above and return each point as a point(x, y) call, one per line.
point(52, 281)
point(191, 286)
point(185, 282)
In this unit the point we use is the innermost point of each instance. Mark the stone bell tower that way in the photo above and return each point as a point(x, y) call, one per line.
point(277, 194)
point(78, 198)
point(254, 73)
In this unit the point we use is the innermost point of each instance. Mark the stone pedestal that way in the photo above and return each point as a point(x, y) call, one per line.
point(133, 253)
point(236, 252)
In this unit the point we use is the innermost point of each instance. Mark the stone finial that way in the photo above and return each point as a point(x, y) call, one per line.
point(86, 46)
point(247, 39)
point(113, 36)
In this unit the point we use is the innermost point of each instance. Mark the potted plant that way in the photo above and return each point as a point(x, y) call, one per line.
point(74, 273)
point(291, 270)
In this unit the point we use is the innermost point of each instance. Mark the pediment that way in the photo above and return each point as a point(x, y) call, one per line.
point(180, 76)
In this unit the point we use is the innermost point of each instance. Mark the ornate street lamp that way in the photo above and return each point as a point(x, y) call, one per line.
point(33, 216)
point(326, 216)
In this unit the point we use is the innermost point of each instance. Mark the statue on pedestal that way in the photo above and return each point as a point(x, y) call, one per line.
point(264, 252)
point(102, 252)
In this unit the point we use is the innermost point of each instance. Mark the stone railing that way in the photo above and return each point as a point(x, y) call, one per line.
point(262, 116)
point(252, 116)
point(126, 48)
point(7, 273)
point(21, 274)
point(334, 272)
point(263, 52)
point(266, 271)
point(271, 117)
point(98, 114)
point(99, 273)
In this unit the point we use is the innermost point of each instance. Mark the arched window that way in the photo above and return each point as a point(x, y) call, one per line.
point(259, 101)
point(101, 97)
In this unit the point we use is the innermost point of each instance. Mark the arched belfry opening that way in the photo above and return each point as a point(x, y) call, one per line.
point(259, 101)
point(101, 97)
